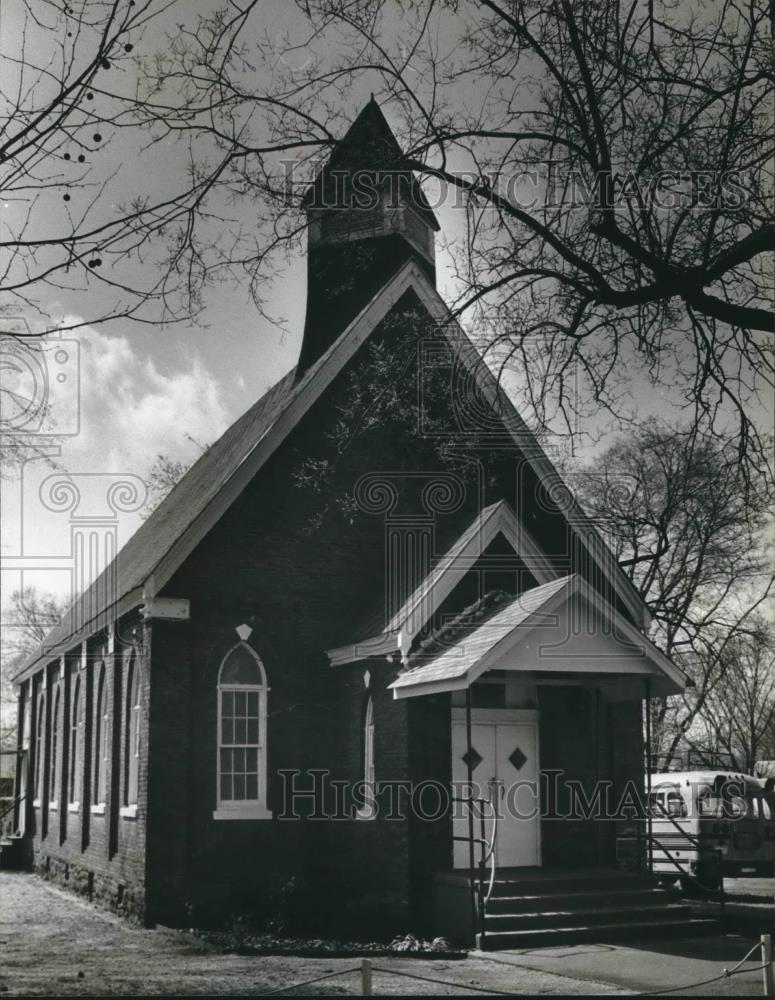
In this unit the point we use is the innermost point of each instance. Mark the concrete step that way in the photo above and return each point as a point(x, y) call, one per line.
point(533, 902)
point(497, 922)
point(635, 931)
point(563, 884)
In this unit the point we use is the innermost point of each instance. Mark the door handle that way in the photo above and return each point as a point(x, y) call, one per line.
point(499, 784)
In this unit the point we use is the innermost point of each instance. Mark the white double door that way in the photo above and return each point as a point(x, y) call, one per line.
point(505, 769)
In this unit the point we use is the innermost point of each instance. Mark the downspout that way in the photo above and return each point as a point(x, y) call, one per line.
point(648, 774)
point(470, 773)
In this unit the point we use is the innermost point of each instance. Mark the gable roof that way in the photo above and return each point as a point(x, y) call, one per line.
point(460, 663)
point(156, 550)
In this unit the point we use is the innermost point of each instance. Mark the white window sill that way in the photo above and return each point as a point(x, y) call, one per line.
point(248, 811)
point(128, 812)
point(73, 807)
point(53, 806)
point(98, 809)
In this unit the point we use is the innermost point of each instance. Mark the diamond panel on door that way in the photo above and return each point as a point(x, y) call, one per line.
point(472, 758)
point(517, 759)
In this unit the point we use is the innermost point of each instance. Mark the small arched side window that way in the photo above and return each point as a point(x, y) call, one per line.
point(74, 796)
point(242, 713)
point(53, 777)
point(101, 744)
point(132, 735)
point(37, 790)
point(368, 810)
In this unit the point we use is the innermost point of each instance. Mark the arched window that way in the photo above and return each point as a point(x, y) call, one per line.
point(101, 743)
point(367, 810)
point(37, 790)
point(75, 742)
point(242, 698)
point(132, 735)
point(53, 781)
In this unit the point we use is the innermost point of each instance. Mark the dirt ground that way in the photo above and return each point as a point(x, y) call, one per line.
point(52, 944)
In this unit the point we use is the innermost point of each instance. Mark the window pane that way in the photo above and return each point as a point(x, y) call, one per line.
point(240, 667)
point(240, 725)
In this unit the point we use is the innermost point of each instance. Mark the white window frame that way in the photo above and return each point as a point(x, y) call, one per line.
point(55, 749)
point(368, 809)
point(75, 781)
point(244, 808)
point(101, 745)
point(132, 743)
point(39, 777)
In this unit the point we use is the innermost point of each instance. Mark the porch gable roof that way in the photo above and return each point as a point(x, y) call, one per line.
point(458, 666)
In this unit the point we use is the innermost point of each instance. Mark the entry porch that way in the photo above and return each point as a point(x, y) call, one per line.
point(540, 709)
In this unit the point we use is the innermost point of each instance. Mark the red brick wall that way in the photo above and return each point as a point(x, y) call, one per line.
point(586, 739)
point(101, 857)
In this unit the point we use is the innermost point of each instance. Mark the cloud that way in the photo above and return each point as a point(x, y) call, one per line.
point(131, 410)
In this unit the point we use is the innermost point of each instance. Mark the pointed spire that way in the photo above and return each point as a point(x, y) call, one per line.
point(370, 148)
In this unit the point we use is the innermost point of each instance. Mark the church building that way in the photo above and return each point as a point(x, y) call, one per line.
point(371, 602)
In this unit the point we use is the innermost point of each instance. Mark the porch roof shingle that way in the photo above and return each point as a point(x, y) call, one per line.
point(457, 660)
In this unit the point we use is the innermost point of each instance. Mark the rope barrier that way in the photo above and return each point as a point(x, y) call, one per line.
point(443, 982)
point(736, 970)
point(726, 974)
point(310, 982)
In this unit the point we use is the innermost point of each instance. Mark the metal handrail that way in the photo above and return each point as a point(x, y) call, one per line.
point(10, 802)
point(10, 807)
point(695, 841)
point(686, 874)
point(490, 853)
point(483, 841)
point(487, 853)
point(689, 836)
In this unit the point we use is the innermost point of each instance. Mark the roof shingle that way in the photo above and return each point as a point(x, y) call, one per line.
point(457, 660)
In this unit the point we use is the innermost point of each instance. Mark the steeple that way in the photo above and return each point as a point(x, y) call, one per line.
point(367, 215)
